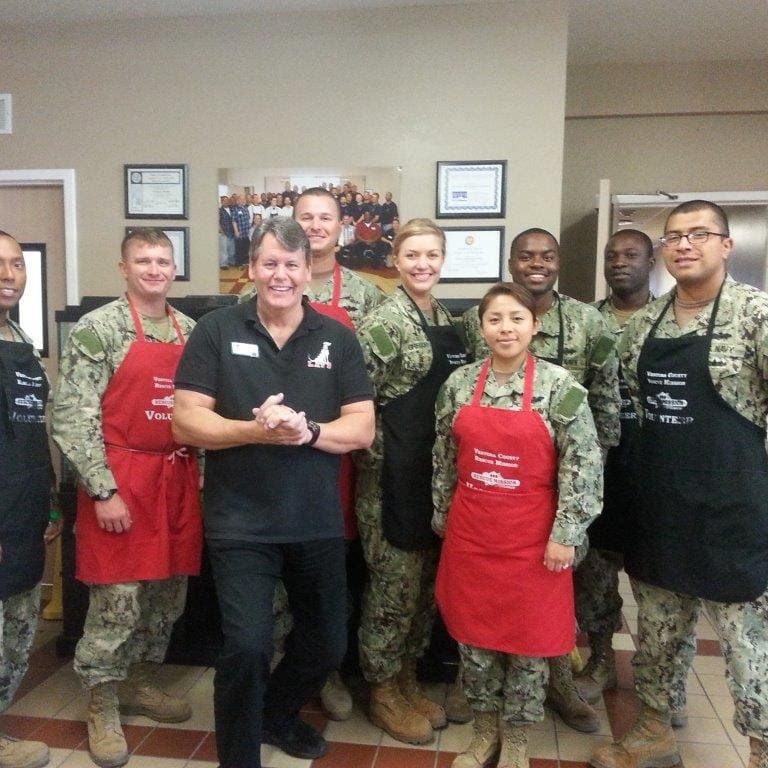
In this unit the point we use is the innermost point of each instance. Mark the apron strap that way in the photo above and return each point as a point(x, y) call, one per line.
point(336, 287)
point(480, 384)
point(530, 365)
point(137, 321)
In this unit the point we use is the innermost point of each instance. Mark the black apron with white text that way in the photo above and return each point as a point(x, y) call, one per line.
point(408, 424)
point(702, 479)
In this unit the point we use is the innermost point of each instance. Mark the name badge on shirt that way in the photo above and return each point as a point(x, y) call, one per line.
point(245, 350)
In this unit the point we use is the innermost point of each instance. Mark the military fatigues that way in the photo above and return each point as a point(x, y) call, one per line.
point(398, 604)
point(738, 367)
point(141, 614)
point(515, 685)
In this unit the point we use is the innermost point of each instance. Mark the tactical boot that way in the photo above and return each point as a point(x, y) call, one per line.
point(15, 753)
point(514, 746)
point(563, 698)
point(599, 672)
point(138, 696)
point(411, 690)
point(650, 743)
point(484, 745)
point(758, 753)
point(105, 736)
point(335, 699)
point(391, 711)
point(457, 710)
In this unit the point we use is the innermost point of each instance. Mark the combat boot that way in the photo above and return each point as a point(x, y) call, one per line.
point(411, 690)
point(15, 753)
point(457, 709)
point(514, 746)
point(563, 698)
point(390, 711)
point(484, 745)
point(335, 699)
point(139, 696)
point(650, 743)
point(758, 753)
point(599, 672)
point(105, 736)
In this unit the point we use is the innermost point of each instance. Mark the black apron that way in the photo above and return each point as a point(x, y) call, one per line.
point(702, 477)
point(25, 468)
point(408, 424)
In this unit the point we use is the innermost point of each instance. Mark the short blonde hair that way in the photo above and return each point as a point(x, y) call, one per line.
point(418, 227)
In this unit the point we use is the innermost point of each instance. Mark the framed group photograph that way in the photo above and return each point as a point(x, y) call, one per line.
point(473, 255)
point(156, 191)
point(179, 237)
point(471, 189)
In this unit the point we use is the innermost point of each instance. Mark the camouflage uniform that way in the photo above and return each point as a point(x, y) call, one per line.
point(515, 685)
point(738, 365)
point(18, 623)
point(139, 614)
point(399, 602)
point(588, 354)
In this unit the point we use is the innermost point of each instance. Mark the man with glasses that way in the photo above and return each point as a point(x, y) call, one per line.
point(696, 364)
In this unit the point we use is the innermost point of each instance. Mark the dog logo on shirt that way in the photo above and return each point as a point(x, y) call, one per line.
point(323, 360)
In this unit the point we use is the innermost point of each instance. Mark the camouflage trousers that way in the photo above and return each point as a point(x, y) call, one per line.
point(127, 624)
point(398, 608)
point(515, 686)
point(596, 587)
point(18, 623)
point(666, 623)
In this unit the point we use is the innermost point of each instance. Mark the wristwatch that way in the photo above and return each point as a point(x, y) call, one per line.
point(314, 428)
point(105, 494)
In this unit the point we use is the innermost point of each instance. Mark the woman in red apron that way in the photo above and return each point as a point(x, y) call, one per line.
point(517, 480)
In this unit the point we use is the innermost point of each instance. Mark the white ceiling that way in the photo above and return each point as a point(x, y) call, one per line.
point(599, 30)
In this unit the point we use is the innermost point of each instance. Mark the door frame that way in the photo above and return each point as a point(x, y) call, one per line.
point(64, 178)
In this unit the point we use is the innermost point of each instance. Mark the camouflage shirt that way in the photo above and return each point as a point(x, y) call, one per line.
point(93, 352)
point(562, 404)
point(397, 355)
point(738, 357)
point(358, 295)
point(588, 353)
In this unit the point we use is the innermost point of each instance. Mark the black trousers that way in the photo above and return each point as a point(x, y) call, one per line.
point(244, 691)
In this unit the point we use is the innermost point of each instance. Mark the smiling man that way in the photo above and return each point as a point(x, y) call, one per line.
point(138, 533)
point(275, 392)
point(696, 364)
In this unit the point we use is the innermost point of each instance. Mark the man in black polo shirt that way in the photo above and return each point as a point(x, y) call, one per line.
point(274, 392)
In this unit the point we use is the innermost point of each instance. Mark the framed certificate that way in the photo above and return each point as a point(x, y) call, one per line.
point(179, 237)
point(471, 189)
point(155, 191)
point(472, 255)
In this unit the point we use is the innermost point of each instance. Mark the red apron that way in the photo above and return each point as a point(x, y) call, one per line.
point(347, 471)
point(492, 586)
point(156, 478)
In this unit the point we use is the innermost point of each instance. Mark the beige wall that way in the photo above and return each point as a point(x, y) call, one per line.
point(692, 129)
point(401, 87)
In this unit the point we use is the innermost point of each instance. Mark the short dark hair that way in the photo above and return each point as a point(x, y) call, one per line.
point(702, 205)
point(636, 233)
point(515, 291)
point(147, 236)
point(286, 231)
point(318, 192)
point(531, 231)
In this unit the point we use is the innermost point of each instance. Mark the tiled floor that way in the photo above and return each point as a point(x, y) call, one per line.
point(51, 707)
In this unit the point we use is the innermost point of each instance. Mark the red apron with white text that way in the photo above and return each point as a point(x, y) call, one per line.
point(492, 586)
point(156, 478)
point(347, 470)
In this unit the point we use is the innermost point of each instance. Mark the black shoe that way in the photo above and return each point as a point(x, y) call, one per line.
point(295, 737)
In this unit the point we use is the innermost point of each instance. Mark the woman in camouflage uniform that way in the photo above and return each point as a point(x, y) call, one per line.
point(517, 480)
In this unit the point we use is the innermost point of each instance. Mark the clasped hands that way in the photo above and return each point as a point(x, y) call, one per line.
point(280, 424)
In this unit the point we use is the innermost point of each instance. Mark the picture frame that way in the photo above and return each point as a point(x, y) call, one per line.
point(471, 189)
point(156, 191)
point(179, 237)
point(473, 255)
point(31, 313)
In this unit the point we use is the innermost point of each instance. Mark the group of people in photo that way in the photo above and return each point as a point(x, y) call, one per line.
point(497, 470)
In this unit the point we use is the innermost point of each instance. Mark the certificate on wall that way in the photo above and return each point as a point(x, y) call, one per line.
point(472, 255)
point(155, 191)
point(471, 190)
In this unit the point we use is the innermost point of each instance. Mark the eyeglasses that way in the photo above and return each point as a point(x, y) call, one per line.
point(694, 238)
